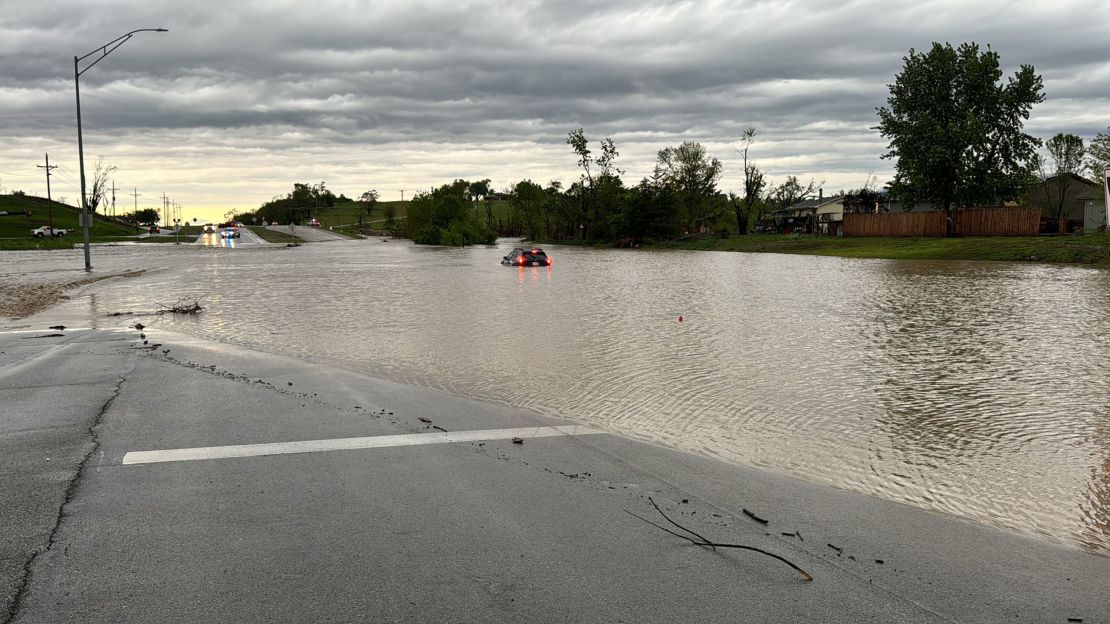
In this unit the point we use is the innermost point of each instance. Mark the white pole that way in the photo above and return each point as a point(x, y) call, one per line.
point(1106, 198)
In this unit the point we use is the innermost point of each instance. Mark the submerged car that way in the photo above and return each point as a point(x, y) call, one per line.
point(526, 256)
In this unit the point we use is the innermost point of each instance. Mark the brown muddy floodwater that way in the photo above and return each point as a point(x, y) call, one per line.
point(976, 389)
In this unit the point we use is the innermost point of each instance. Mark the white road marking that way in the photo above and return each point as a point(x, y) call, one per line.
point(342, 444)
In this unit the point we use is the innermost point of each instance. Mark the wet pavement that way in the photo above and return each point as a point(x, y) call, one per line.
point(485, 529)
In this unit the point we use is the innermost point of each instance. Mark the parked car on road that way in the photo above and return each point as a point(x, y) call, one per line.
point(527, 256)
point(45, 231)
point(314, 222)
point(154, 229)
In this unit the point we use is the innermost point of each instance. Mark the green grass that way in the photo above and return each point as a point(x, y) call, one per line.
point(16, 228)
point(1092, 249)
point(270, 236)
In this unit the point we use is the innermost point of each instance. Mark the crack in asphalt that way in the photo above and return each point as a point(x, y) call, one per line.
point(16, 604)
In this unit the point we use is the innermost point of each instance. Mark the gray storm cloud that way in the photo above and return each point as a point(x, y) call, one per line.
point(400, 95)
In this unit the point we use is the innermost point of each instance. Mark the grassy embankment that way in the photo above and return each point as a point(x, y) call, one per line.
point(270, 236)
point(1091, 249)
point(15, 229)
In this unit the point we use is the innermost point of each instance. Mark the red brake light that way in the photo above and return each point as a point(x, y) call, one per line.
point(549, 262)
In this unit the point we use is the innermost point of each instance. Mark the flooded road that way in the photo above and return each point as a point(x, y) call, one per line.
point(976, 389)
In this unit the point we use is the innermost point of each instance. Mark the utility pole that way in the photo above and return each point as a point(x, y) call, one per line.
point(49, 201)
point(136, 194)
point(113, 197)
point(164, 204)
point(402, 196)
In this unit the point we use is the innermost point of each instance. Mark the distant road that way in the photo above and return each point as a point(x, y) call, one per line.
point(246, 238)
point(308, 233)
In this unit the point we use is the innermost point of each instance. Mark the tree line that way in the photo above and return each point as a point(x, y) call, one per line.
point(955, 130)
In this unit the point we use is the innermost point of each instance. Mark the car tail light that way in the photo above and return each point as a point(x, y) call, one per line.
point(549, 262)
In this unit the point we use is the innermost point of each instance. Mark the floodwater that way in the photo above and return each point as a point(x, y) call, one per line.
point(977, 389)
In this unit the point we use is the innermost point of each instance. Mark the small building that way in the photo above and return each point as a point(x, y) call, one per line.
point(1094, 210)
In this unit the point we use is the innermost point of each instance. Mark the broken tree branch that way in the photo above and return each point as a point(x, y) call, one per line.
point(702, 541)
point(185, 305)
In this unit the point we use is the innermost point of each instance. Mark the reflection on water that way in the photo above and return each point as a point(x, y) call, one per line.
point(215, 239)
point(977, 389)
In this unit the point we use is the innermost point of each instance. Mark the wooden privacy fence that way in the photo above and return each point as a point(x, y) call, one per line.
point(997, 221)
point(926, 224)
point(992, 221)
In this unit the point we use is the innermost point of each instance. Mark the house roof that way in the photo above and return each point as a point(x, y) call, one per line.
point(1074, 176)
point(814, 203)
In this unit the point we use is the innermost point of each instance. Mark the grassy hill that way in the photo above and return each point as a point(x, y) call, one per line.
point(26, 212)
point(344, 216)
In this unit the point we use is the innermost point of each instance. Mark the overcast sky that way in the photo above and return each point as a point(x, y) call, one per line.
point(241, 99)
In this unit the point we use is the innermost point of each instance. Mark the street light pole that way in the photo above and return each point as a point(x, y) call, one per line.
point(104, 50)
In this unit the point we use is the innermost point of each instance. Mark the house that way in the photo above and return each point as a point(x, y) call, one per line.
point(820, 214)
point(1068, 188)
point(829, 213)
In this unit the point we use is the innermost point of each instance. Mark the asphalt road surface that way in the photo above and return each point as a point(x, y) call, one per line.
point(310, 234)
point(187, 481)
point(246, 238)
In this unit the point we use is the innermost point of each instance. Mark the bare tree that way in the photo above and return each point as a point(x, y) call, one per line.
point(366, 203)
point(101, 173)
point(748, 207)
point(790, 192)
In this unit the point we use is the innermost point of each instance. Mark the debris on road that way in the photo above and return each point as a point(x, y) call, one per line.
point(751, 514)
point(185, 305)
point(702, 541)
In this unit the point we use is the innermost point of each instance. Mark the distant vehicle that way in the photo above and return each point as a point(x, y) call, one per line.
point(45, 231)
point(154, 229)
point(526, 256)
point(230, 232)
point(238, 224)
point(209, 228)
point(314, 222)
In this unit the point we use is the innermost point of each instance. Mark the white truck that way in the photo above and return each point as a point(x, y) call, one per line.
point(45, 231)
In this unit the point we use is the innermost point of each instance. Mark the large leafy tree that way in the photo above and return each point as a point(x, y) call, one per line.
point(144, 216)
point(1098, 155)
point(955, 128)
point(443, 217)
point(527, 205)
point(599, 177)
point(693, 174)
